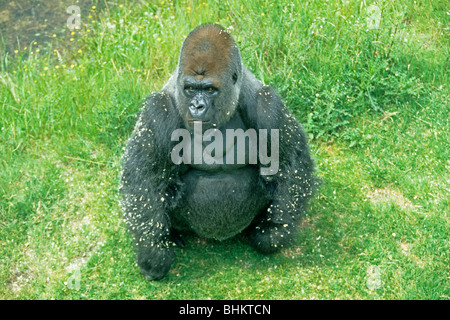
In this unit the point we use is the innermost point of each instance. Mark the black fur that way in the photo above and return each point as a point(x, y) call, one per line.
point(160, 197)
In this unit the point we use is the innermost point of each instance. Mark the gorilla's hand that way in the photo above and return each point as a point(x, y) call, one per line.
point(155, 261)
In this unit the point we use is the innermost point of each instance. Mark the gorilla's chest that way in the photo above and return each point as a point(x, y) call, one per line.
point(227, 148)
point(222, 193)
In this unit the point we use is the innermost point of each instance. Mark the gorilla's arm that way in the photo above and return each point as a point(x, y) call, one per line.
point(293, 185)
point(149, 183)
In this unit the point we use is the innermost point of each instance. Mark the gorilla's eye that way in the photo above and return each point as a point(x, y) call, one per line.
point(212, 90)
point(189, 90)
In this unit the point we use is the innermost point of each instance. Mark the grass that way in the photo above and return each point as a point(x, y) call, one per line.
point(375, 103)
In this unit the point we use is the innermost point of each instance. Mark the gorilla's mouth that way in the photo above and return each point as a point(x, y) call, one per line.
point(191, 121)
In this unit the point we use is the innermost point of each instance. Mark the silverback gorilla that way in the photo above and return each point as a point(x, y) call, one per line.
point(198, 158)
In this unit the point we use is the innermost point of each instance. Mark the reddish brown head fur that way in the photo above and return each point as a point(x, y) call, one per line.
point(206, 52)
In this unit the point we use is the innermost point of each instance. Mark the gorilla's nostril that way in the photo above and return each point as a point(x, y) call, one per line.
point(197, 107)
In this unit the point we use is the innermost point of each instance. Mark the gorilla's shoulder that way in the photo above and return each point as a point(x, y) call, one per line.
point(158, 105)
point(159, 117)
point(262, 106)
point(159, 110)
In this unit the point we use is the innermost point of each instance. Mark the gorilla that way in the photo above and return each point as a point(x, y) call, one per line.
point(197, 158)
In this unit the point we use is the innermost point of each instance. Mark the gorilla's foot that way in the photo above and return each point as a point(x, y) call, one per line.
point(270, 237)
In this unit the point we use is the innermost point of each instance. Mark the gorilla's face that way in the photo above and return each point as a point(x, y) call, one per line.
point(200, 95)
point(206, 99)
point(209, 77)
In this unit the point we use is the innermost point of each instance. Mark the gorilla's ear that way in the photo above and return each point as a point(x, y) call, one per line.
point(235, 77)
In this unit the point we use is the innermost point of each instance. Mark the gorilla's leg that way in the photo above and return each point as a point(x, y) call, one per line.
point(277, 227)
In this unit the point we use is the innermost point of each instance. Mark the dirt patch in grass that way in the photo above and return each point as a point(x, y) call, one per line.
point(18, 280)
point(386, 195)
point(406, 250)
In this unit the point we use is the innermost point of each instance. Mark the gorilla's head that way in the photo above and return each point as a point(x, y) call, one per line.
point(209, 77)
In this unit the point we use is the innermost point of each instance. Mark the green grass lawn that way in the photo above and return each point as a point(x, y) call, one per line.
point(373, 100)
